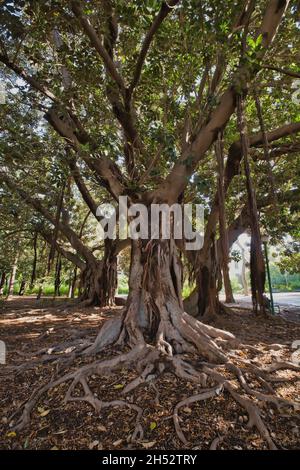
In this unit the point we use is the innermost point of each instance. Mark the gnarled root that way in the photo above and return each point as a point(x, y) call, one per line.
point(177, 337)
point(80, 376)
point(210, 393)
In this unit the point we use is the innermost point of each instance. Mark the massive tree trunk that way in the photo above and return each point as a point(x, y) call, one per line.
point(154, 313)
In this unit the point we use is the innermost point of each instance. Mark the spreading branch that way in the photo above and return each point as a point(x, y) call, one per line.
point(166, 8)
point(98, 45)
point(179, 176)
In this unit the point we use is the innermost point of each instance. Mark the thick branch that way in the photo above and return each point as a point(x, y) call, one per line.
point(103, 166)
point(85, 193)
point(65, 229)
point(163, 13)
point(288, 72)
point(233, 167)
point(178, 178)
point(97, 44)
point(65, 253)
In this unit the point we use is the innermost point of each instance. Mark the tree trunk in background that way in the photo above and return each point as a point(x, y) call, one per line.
point(40, 291)
point(59, 207)
point(99, 279)
point(34, 264)
point(57, 280)
point(73, 280)
point(2, 282)
point(22, 287)
point(12, 280)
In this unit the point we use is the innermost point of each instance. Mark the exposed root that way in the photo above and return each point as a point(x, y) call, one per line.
point(205, 395)
point(108, 334)
point(98, 405)
point(277, 401)
point(78, 376)
point(254, 417)
point(177, 336)
point(216, 442)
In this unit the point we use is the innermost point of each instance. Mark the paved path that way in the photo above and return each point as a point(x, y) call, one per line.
point(282, 298)
point(289, 304)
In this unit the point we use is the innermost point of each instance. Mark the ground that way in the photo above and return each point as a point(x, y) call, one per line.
point(28, 326)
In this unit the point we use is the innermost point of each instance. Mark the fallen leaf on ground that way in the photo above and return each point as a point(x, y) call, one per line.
point(93, 444)
point(148, 445)
point(117, 443)
point(43, 412)
point(153, 425)
point(118, 386)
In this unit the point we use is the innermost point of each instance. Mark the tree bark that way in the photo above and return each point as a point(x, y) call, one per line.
point(73, 280)
point(99, 279)
point(257, 264)
point(57, 282)
point(34, 263)
point(2, 282)
point(22, 287)
point(13, 276)
point(243, 275)
point(154, 313)
point(222, 222)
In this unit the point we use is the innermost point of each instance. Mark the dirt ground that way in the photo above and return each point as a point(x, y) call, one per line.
point(28, 326)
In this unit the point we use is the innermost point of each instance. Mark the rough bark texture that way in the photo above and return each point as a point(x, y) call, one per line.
point(99, 279)
point(162, 337)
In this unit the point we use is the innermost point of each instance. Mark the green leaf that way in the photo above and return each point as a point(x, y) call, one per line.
point(153, 425)
point(259, 40)
point(119, 386)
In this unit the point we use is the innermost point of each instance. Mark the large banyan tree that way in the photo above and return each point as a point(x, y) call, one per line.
point(142, 94)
